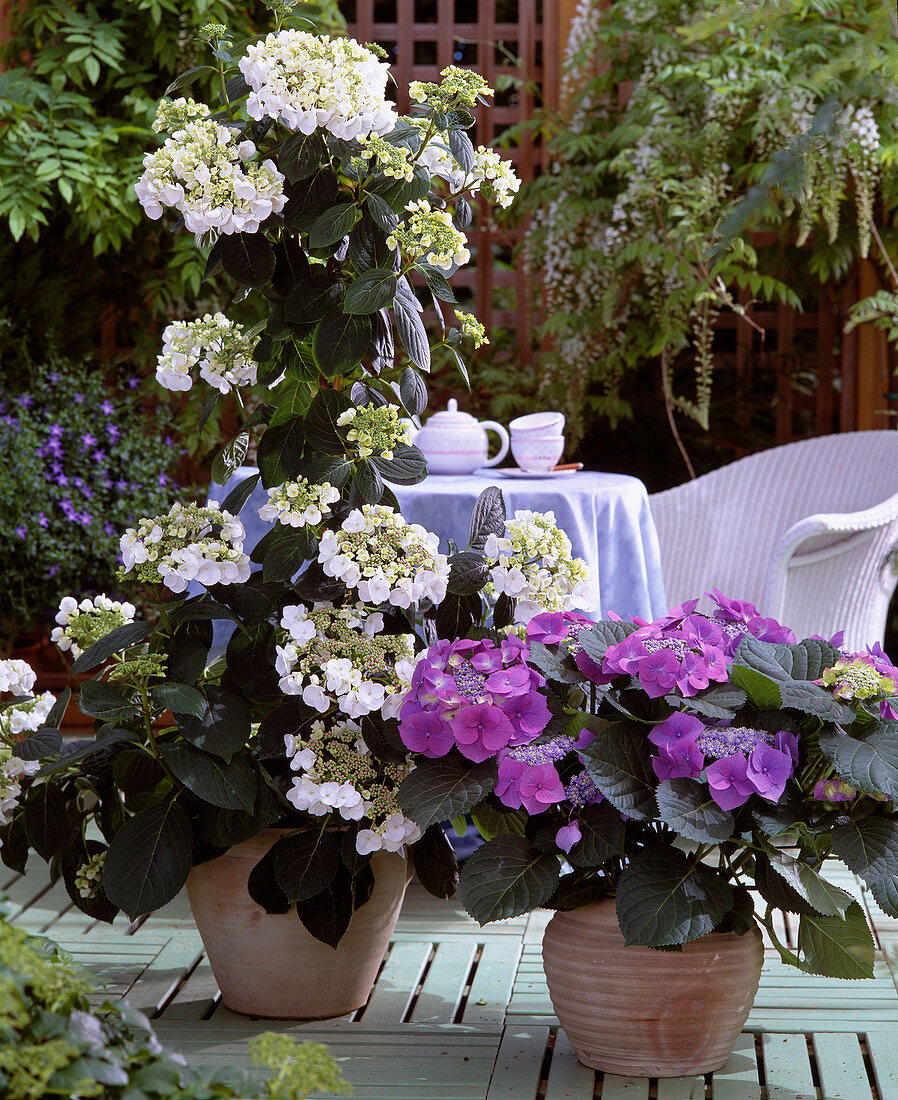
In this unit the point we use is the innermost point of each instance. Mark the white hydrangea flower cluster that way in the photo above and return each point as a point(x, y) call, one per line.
point(12, 769)
point(218, 346)
point(458, 88)
point(82, 624)
point(471, 329)
point(311, 81)
point(299, 503)
point(384, 558)
point(88, 875)
point(339, 657)
point(339, 773)
point(430, 235)
point(26, 717)
point(395, 161)
point(174, 114)
point(492, 175)
point(375, 429)
point(201, 172)
point(17, 677)
point(190, 543)
point(533, 564)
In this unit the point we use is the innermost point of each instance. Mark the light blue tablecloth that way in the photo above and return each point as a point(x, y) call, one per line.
point(606, 517)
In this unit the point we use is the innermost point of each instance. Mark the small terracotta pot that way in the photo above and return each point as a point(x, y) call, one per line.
point(639, 1012)
point(268, 964)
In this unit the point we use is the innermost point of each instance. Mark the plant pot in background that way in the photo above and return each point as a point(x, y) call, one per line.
point(641, 1012)
point(268, 964)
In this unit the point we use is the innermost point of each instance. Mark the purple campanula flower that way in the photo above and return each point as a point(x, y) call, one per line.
point(109, 528)
point(163, 480)
point(133, 382)
point(107, 408)
point(88, 440)
point(99, 456)
point(113, 432)
point(728, 781)
point(42, 520)
point(87, 492)
point(56, 431)
point(61, 480)
point(121, 485)
point(86, 519)
point(78, 398)
point(26, 400)
point(53, 570)
point(567, 836)
point(21, 531)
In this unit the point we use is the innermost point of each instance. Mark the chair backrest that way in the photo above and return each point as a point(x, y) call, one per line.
point(720, 530)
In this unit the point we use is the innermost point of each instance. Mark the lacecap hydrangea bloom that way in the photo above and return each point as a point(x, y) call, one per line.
point(174, 114)
point(337, 773)
point(338, 657)
point(375, 429)
point(865, 677)
point(476, 696)
point(17, 677)
point(299, 503)
point(685, 650)
point(532, 563)
point(202, 172)
point(312, 82)
point(190, 543)
point(12, 769)
point(82, 624)
point(384, 558)
point(428, 234)
point(26, 717)
point(735, 761)
point(458, 88)
point(221, 349)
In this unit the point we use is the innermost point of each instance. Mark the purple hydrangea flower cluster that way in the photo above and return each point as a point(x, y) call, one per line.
point(685, 651)
point(743, 761)
point(477, 696)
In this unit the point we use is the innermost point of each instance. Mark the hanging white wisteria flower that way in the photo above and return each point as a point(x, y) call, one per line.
point(17, 677)
point(338, 773)
point(533, 564)
point(429, 234)
point(385, 558)
point(82, 624)
point(11, 771)
point(218, 346)
point(190, 543)
point(201, 172)
point(311, 81)
point(26, 717)
point(375, 429)
point(337, 656)
point(299, 503)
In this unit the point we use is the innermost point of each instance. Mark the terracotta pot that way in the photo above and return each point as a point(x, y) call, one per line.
point(268, 964)
point(639, 1012)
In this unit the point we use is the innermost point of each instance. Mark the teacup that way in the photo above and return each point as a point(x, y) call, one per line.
point(538, 424)
point(536, 454)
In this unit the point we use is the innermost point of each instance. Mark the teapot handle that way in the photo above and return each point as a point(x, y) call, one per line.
point(492, 426)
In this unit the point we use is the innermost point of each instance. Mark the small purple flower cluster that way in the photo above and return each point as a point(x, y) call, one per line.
point(743, 761)
point(686, 651)
point(474, 695)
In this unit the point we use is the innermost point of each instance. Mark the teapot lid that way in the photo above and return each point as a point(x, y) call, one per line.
point(452, 417)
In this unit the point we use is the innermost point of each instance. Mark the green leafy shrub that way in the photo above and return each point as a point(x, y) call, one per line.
point(54, 1042)
point(700, 129)
point(84, 458)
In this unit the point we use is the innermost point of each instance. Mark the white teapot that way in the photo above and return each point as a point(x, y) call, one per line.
point(454, 442)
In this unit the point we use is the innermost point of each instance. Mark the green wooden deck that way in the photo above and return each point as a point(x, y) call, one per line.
point(463, 1013)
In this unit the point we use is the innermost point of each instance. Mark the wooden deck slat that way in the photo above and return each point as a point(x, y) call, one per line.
point(519, 1064)
point(841, 1066)
point(568, 1078)
point(624, 1088)
point(787, 1068)
point(681, 1088)
point(444, 985)
point(739, 1080)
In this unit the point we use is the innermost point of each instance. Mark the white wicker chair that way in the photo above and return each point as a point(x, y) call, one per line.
point(807, 532)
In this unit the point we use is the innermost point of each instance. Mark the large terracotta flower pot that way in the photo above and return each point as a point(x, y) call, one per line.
point(268, 964)
point(640, 1012)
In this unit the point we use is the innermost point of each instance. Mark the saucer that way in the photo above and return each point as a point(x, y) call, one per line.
point(514, 471)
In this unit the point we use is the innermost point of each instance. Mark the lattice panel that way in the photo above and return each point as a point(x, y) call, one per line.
point(424, 36)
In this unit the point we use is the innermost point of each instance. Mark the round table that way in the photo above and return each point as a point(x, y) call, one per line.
point(606, 517)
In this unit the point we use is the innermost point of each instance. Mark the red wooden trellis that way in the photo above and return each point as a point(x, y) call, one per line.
point(424, 36)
